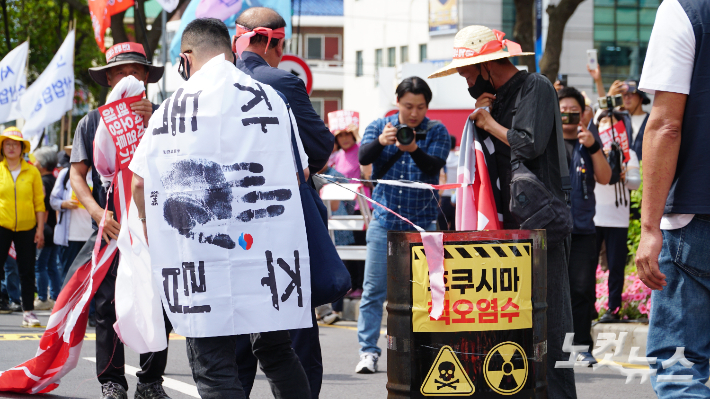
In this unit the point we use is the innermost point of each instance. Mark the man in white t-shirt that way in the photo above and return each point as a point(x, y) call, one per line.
point(612, 223)
point(672, 257)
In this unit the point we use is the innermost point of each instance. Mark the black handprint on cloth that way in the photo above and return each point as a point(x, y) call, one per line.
point(206, 195)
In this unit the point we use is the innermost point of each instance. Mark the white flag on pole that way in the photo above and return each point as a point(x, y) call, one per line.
point(52, 94)
point(13, 82)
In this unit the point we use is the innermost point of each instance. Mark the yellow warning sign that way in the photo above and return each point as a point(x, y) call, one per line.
point(488, 288)
point(447, 377)
point(506, 368)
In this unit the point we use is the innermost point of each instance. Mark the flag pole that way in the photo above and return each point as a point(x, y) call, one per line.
point(137, 7)
point(71, 111)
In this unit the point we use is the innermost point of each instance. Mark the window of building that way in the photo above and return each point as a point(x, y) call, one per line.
point(378, 58)
point(622, 29)
point(323, 106)
point(404, 54)
point(422, 53)
point(358, 63)
point(391, 57)
point(323, 47)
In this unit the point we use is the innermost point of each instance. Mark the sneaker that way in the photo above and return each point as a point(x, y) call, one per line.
point(29, 319)
point(15, 307)
point(332, 318)
point(368, 363)
point(151, 391)
point(4, 307)
point(586, 357)
point(111, 390)
point(44, 305)
point(610, 318)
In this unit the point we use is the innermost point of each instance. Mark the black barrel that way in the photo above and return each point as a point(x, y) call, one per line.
point(491, 341)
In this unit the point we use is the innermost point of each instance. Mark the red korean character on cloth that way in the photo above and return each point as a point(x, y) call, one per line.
point(509, 315)
point(115, 128)
point(122, 109)
point(484, 306)
point(463, 307)
point(108, 115)
point(445, 316)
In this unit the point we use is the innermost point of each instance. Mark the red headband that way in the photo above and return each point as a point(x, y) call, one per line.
point(244, 36)
point(488, 48)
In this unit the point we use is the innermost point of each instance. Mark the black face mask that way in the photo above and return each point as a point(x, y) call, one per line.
point(481, 86)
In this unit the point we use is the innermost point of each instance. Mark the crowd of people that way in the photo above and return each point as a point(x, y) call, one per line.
point(585, 155)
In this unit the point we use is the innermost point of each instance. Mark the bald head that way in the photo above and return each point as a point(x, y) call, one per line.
point(206, 38)
point(261, 17)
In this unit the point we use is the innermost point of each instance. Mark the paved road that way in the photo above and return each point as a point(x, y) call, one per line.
point(339, 345)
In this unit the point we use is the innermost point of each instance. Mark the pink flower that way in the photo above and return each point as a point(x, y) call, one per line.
point(643, 309)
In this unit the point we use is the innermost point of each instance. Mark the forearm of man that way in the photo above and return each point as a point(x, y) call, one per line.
point(499, 132)
point(77, 178)
point(661, 145)
point(369, 152)
point(602, 170)
point(600, 88)
point(428, 164)
point(138, 192)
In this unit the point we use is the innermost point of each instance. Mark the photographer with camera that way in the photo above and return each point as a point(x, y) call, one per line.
point(403, 146)
point(587, 165)
point(633, 102)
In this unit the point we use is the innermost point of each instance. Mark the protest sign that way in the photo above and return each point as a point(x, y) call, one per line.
point(13, 81)
point(52, 94)
point(227, 237)
point(619, 135)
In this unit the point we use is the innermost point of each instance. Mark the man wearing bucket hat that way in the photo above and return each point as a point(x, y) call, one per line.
point(522, 120)
point(633, 102)
point(122, 60)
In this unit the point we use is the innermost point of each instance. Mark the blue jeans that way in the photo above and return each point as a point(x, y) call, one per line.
point(679, 313)
point(46, 272)
point(11, 283)
point(374, 287)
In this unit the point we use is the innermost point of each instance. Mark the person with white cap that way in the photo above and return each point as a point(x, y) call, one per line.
point(522, 120)
point(122, 60)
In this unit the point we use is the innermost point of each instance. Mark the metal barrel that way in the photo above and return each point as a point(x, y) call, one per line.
point(491, 340)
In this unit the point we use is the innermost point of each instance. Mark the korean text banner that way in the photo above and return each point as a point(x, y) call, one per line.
point(227, 237)
point(443, 17)
point(283, 7)
point(13, 81)
point(52, 94)
point(488, 287)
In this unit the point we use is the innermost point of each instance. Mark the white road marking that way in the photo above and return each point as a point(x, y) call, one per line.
point(187, 389)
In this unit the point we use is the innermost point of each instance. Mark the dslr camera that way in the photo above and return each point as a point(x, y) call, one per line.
point(611, 101)
point(406, 134)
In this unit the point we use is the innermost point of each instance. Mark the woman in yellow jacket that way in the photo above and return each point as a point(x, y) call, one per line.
point(22, 215)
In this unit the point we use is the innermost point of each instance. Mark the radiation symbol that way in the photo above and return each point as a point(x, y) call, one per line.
point(447, 377)
point(506, 368)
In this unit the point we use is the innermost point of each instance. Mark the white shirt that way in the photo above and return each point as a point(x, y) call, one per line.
point(609, 214)
point(15, 173)
point(669, 67)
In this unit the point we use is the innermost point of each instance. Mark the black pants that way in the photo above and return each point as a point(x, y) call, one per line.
point(306, 344)
point(582, 283)
point(616, 254)
point(26, 250)
point(215, 370)
point(110, 358)
point(447, 215)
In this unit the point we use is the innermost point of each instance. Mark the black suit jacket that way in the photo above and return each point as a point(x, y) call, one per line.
point(317, 139)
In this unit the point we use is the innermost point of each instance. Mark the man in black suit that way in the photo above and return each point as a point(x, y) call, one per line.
point(259, 44)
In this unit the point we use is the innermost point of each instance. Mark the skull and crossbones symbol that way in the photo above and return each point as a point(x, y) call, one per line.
point(446, 373)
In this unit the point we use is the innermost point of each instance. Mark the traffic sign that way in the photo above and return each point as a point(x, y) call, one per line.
point(298, 66)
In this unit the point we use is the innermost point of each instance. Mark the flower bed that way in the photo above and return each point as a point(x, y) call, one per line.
point(635, 299)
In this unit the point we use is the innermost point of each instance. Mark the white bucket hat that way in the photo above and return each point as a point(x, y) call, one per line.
point(477, 44)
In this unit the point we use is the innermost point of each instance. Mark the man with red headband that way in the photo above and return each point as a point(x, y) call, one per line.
point(519, 113)
point(259, 46)
point(122, 60)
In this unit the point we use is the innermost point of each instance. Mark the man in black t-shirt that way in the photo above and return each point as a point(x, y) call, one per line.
point(123, 59)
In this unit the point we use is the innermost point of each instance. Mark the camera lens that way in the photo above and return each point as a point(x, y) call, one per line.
point(405, 134)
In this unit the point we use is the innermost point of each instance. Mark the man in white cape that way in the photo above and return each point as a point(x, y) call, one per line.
point(217, 191)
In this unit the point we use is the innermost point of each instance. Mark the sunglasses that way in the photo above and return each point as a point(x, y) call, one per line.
point(184, 67)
